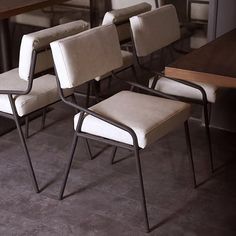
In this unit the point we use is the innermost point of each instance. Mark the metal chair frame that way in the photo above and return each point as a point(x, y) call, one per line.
point(19, 119)
point(135, 148)
point(204, 102)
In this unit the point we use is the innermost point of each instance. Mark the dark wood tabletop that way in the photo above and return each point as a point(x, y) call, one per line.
point(214, 63)
point(10, 8)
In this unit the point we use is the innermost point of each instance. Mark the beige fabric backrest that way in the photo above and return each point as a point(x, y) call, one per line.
point(120, 18)
point(155, 29)
point(117, 4)
point(85, 56)
point(198, 10)
point(42, 39)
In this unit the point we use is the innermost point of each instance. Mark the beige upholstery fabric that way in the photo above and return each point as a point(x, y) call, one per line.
point(155, 29)
point(199, 11)
point(128, 60)
point(120, 17)
point(150, 117)
point(41, 39)
point(85, 56)
point(43, 93)
point(38, 18)
point(171, 87)
point(117, 4)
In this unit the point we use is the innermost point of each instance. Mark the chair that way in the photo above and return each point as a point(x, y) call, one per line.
point(120, 18)
point(30, 88)
point(56, 14)
point(150, 35)
point(127, 119)
point(198, 15)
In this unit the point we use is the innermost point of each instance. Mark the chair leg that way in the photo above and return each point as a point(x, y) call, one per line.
point(143, 198)
point(67, 171)
point(28, 159)
point(88, 149)
point(208, 135)
point(26, 127)
point(189, 146)
point(87, 94)
point(43, 118)
point(113, 154)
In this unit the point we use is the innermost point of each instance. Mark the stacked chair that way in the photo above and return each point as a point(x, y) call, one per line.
point(30, 87)
point(120, 18)
point(149, 35)
point(57, 14)
point(127, 119)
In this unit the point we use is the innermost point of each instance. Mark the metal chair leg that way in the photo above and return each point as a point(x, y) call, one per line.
point(113, 154)
point(87, 94)
point(43, 118)
point(28, 159)
point(189, 146)
point(88, 149)
point(26, 127)
point(208, 135)
point(143, 198)
point(67, 171)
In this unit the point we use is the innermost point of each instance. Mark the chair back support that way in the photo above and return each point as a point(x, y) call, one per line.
point(120, 18)
point(155, 29)
point(85, 56)
point(117, 4)
point(198, 10)
point(41, 40)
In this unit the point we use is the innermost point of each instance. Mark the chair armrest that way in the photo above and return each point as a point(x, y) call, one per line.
point(185, 82)
point(103, 118)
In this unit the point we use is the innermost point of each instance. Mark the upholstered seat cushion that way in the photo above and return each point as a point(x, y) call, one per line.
point(150, 117)
point(171, 87)
point(43, 93)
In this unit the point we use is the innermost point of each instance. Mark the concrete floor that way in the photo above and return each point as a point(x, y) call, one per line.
point(103, 199)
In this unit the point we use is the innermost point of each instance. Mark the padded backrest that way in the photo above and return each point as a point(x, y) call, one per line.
point(155, 29)
point(117, 4)
point(198, 10)
point(87, 55)
point(120, 18)
point(42, 39)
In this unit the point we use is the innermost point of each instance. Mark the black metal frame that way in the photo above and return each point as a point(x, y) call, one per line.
point(204, 102)
point(18, 119)
point(135, 148)
point(91, 9)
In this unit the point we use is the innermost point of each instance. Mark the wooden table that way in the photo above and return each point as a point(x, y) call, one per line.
point(10, 8)
point(214, 63)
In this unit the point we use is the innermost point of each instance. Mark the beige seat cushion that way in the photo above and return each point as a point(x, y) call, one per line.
point(40, 18)
point(174, 88)
point(43, 93)
point(150, 117)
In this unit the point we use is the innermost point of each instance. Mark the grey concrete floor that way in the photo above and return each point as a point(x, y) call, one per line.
point(103, 199)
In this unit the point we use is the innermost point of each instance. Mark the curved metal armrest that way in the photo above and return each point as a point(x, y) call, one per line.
point(105, 119)
point(185, 82)
point(149, 90)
